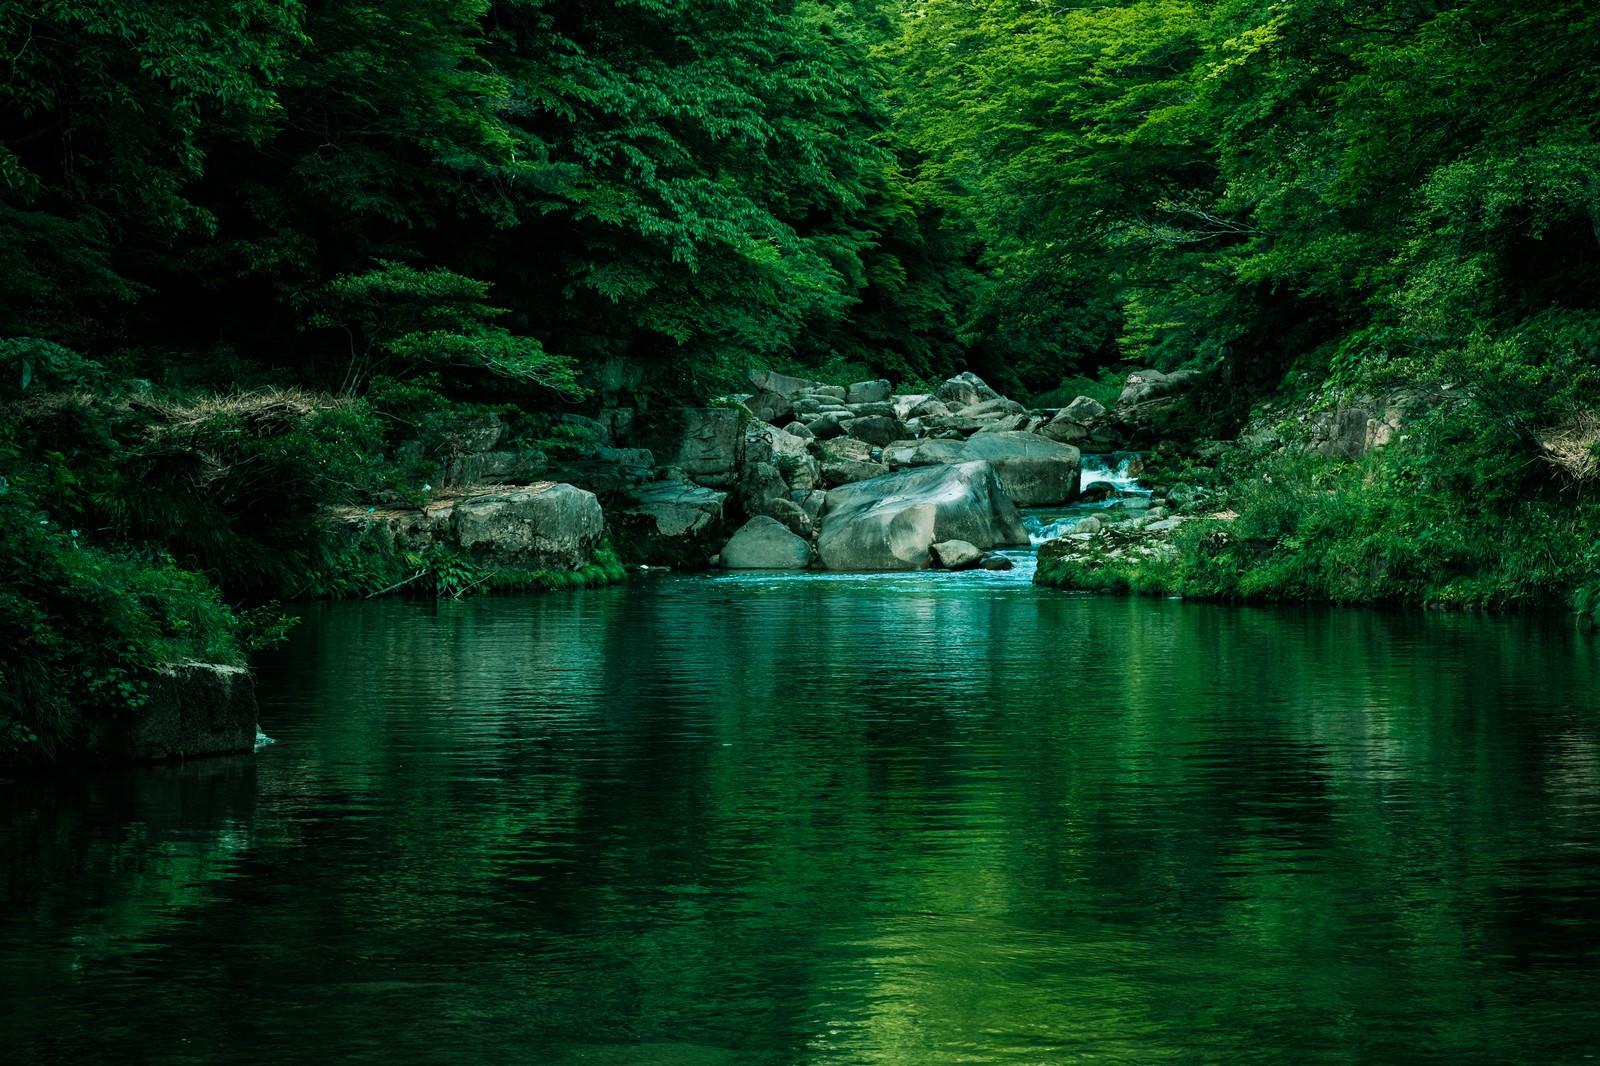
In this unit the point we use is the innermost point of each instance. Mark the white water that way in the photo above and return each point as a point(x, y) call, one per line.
point(1112, 468)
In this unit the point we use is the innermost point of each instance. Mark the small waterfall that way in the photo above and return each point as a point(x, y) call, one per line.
point(1117, 469)
point(1113, 468)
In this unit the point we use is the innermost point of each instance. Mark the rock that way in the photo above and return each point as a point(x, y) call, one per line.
point(709, 447)
point(1096, 491)
point(811, 503)
point(192, 710)
point(617, 421)
point(504, 466)
point(782, 384)
point(891, 522)
point(790, 453)
point(759, 485)
point(877, 429)
point(770, 406)
point(1034, 471)
point(965, 389)
point(904, 405)
point(1342, 432)
point(1090, 525)
point(1143, 386)
point(999, 407)
point(847, 448)
point(997, 562)
point(955, 555)
point(836, 393)
point(869, 392)
point(1182, 495)
point(670, 522)
point(828, 425)
point(1082, 409)
point(799, 429)
point(957, 393)
point(764, 543)
point(1007, 424)
point(794, 517)
point(929, 408)
point(902, 454)
point(845, 471)
point(1064, 431)
point(954, 424)
point(861, 410)
point(549, 526)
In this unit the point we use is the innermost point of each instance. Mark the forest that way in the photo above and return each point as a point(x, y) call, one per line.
point(253, 246)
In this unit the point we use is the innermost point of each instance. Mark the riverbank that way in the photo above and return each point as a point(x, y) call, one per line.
point(1436, 511)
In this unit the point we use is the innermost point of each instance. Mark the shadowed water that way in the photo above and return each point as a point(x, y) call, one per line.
point(913, 819)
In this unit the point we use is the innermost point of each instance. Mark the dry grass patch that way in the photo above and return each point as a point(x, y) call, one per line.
point(1571, 446)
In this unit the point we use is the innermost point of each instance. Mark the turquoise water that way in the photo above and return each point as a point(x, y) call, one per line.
point(791, 819)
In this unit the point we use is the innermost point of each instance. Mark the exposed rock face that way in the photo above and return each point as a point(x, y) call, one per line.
point(194, 709)
point(891, 522)
point(764, 543)
point(1143, 386)
point(1034, 471)
point(710, 448)
point(541, 527)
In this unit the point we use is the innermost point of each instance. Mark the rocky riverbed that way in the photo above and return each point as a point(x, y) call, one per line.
point(791, 474)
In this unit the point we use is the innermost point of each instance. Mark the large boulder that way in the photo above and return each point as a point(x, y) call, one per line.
point(192, 709)
point(904, 453)
point(765, 543)
point(877, 429)
point(1082, 409)
point(670, 522)
point(869, 392)
point(1033, 470)
point(891, 522)
point(1142, 386)
point(549, 526)
point(782, 384)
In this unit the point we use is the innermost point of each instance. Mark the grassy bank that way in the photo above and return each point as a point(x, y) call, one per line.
point(1455, 513)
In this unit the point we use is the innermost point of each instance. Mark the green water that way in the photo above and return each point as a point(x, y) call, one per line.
point(920, 820)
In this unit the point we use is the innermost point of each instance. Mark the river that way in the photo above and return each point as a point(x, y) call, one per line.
point(918, 819)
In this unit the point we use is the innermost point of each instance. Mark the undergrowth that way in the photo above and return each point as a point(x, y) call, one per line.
point(1452, 516)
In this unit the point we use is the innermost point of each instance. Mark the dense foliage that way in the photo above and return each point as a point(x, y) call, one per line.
point(1331, 197)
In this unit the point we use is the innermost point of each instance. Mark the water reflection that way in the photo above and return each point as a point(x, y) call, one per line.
point(921, 819)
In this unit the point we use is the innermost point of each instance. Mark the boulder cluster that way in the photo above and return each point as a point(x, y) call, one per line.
point(791, 474)
point(854, 477)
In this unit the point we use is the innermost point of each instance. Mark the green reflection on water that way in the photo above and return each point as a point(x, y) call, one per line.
point(899, 821)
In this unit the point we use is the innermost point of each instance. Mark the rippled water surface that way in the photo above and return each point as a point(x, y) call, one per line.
point(921, 819)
